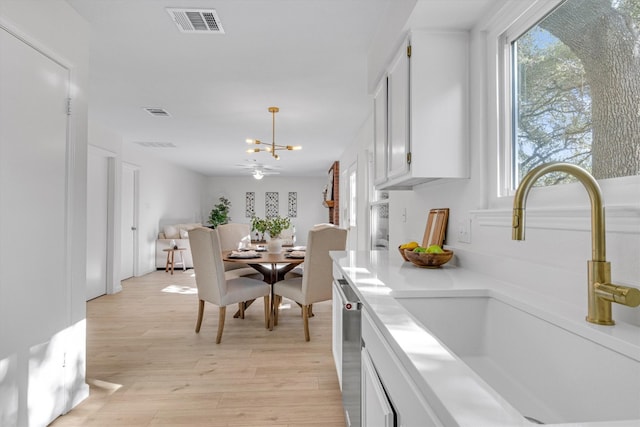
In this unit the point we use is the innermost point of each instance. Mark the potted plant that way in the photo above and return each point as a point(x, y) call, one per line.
point(260, 225)
point(220, 213)
point(274, 226)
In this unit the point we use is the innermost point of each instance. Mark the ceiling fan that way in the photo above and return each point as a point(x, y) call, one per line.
point(259, 170)
point(271, 147)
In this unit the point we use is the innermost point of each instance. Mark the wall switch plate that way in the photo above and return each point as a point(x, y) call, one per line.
point(464, 230)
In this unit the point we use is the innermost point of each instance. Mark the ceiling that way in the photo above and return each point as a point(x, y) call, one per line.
point(307, 57)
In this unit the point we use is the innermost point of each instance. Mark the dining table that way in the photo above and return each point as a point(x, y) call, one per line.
point(272, 265)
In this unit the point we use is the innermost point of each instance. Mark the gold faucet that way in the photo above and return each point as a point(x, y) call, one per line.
point(601, 291)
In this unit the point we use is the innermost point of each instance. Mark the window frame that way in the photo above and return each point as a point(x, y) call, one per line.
point(514, 31)
point(513, 20)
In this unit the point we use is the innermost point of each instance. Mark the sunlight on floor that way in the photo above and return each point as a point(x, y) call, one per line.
point(284, 306)
point(180, 289)
point(104, 386)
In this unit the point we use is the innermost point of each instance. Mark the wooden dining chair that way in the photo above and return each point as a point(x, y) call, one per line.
point(212, 284)
point(315, 284)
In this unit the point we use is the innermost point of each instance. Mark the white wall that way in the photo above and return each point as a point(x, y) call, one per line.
point(167, 193)
point(357, 153)
point(171, 194)
point(51, 336)
point(309, 195)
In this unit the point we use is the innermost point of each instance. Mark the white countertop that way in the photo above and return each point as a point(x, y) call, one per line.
point(379, 277)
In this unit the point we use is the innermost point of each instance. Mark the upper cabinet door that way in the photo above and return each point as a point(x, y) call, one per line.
point(398, 102)
point(380, 147)
point(427, 107)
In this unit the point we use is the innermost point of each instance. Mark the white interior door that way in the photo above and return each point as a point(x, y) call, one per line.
point(34, 285)
point(128, 222)
point(97, 223)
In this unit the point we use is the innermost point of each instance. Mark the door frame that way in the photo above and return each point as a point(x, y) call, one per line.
point(98, 208)
point(136, 217)
point(112, 268)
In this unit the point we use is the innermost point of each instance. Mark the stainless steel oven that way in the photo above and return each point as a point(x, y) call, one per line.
point(351, 352)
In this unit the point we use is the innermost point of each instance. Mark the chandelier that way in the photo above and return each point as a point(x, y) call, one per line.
point(271, 147)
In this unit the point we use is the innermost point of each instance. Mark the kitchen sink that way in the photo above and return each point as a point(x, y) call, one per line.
point(546, 372)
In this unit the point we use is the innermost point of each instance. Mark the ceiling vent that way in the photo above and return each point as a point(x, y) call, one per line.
point(203, 21)
point(151, 144)
point(157, 112)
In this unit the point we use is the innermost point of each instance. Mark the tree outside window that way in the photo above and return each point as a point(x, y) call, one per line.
point(576, 90)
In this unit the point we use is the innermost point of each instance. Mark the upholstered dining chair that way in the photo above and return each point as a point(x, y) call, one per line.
point(288, 236)
point(315, 284)
point(230, 235)
point(298, 270)
point(212, 284)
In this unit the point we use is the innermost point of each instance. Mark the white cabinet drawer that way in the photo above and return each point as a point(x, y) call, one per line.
point(410, 405)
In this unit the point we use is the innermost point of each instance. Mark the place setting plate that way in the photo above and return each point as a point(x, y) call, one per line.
point(295, 254)
point(244, 254)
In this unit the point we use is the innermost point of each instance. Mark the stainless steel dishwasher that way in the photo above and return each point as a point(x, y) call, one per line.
point(351, 353)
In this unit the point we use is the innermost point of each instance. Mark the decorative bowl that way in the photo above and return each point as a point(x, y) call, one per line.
point(429, 260)
point(402, 253)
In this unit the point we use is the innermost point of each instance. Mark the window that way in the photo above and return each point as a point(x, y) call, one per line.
point(575, 91)
point(380, 221)
point(353, 199)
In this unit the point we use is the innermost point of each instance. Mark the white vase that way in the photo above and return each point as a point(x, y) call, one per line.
point(274, 246)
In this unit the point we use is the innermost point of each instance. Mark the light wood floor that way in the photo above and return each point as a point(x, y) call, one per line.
point(147, 367)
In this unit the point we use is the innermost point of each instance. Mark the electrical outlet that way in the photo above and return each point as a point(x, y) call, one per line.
point(464, 230)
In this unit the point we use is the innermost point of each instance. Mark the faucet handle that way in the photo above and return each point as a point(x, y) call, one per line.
point(517, 224)
point(616, 293)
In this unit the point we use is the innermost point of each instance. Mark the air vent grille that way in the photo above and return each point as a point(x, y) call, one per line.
point(151, 144)
point(203, 21)
point(157, 112)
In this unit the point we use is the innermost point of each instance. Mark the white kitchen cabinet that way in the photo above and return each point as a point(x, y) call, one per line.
point(380, 133)
point(427, 111)
point(398, 113)
point(410, 407)
point(376, 408)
